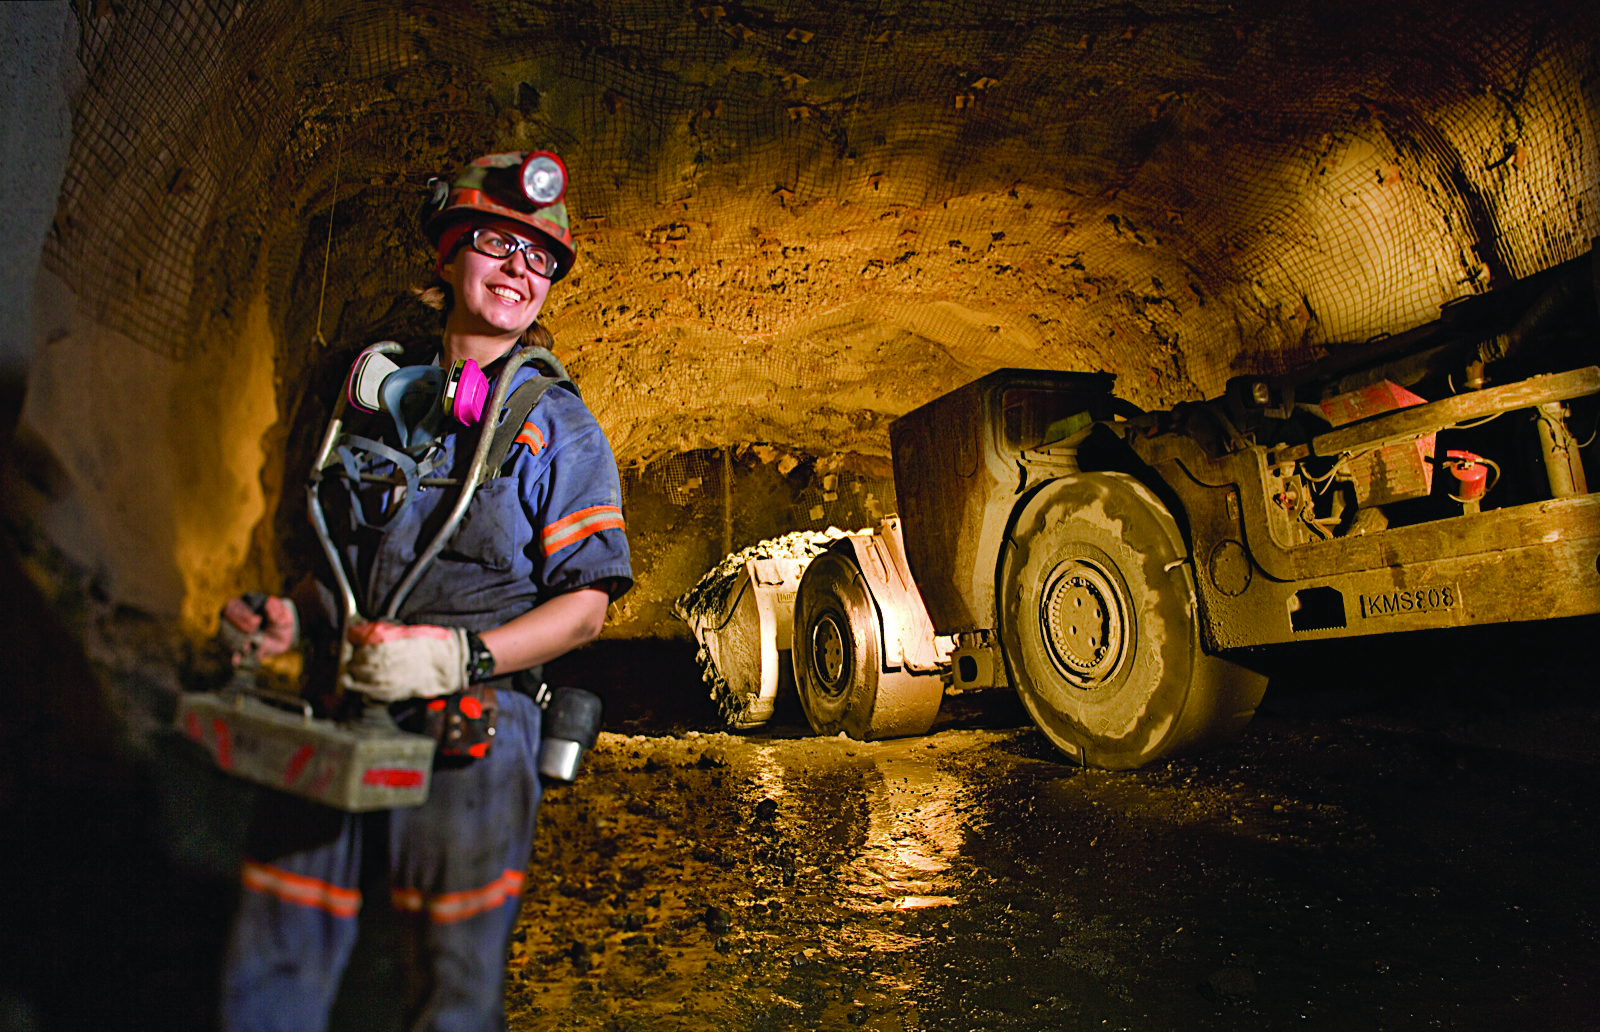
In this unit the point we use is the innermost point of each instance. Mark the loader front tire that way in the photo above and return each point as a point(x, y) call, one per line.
point(836, 647)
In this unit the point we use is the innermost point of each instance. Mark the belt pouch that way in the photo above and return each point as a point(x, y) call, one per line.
point(464, 723)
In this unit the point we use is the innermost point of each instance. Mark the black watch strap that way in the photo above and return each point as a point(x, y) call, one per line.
point(480, 661)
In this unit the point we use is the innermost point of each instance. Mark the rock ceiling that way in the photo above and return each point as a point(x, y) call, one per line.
point(797, 221)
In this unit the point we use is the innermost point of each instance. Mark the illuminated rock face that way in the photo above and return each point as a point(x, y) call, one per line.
point(797, 222)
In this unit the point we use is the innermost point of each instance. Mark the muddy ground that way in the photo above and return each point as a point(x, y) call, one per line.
point(1412, 847)
point(1404, 838)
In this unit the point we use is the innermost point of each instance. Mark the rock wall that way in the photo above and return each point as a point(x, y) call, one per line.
point(155, 481)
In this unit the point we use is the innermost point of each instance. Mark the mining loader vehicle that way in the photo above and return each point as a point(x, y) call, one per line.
point(1119, 569)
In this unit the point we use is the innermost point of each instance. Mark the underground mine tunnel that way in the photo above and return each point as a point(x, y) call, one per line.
point(1339, 259)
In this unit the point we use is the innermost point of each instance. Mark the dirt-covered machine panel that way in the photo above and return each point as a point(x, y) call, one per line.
point(957, 474)
point(1436, 479)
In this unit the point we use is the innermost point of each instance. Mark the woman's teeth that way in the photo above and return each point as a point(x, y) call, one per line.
point(507, 293)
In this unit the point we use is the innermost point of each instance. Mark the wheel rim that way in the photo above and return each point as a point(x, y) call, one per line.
point(828, 654)
point(1083, 620)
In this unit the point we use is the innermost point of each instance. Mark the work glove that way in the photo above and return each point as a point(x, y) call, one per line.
point(254, 626)
point(389, 661)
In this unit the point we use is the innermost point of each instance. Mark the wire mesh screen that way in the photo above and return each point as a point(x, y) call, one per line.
point(798, 221)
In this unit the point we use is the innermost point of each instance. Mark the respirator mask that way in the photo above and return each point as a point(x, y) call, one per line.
point(420, 399)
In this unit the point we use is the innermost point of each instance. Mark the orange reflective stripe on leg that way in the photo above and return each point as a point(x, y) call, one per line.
point(458, 906)
point(300, 890)
point(408, 900)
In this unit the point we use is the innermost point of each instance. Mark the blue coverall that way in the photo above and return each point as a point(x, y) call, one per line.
point(552, 524)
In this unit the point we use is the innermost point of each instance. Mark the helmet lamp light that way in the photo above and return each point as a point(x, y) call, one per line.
point(544, 178)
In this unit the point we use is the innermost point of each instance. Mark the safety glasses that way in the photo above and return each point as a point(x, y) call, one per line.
point(498, 244)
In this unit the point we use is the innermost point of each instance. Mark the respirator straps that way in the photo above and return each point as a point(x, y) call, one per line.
point(405, 465)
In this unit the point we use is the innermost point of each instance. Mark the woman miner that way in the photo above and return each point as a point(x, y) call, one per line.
point(527, 577)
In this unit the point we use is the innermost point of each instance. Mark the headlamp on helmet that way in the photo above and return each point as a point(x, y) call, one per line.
point(544, 178)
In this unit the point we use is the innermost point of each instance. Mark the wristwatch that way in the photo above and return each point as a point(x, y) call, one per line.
point(480, 661)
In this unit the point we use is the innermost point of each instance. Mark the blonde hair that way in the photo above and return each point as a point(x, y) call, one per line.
point(435, 294)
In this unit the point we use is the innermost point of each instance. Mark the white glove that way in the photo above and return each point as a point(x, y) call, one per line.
point(391, 661)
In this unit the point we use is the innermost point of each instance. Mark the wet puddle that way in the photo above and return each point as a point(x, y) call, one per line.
point(1311, 876)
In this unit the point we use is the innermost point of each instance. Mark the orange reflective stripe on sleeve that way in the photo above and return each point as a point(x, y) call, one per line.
point(572, 529)
point(300, 890)
point(531, 436)
point(458, 906)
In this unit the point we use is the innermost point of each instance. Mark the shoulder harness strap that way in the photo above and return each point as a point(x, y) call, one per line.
point(518, 408)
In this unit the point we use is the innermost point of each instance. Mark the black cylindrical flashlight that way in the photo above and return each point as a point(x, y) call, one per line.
point(571, 727)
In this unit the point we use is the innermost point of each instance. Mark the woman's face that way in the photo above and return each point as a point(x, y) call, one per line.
point(494, 296)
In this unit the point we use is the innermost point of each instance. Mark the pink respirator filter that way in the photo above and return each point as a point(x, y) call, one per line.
point(466, 392)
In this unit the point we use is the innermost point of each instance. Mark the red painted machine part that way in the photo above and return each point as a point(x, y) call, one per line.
point(1471, 475)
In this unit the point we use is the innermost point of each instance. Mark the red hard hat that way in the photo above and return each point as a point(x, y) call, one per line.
point(529, 188)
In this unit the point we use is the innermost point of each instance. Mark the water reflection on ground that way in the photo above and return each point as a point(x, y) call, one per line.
point(1318, 874)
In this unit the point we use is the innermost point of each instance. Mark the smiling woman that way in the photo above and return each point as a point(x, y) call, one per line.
point(800, 221)
point(532, 553)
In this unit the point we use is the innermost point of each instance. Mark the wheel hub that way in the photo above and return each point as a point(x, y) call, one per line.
point(827, 653)
point(1081, 615)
